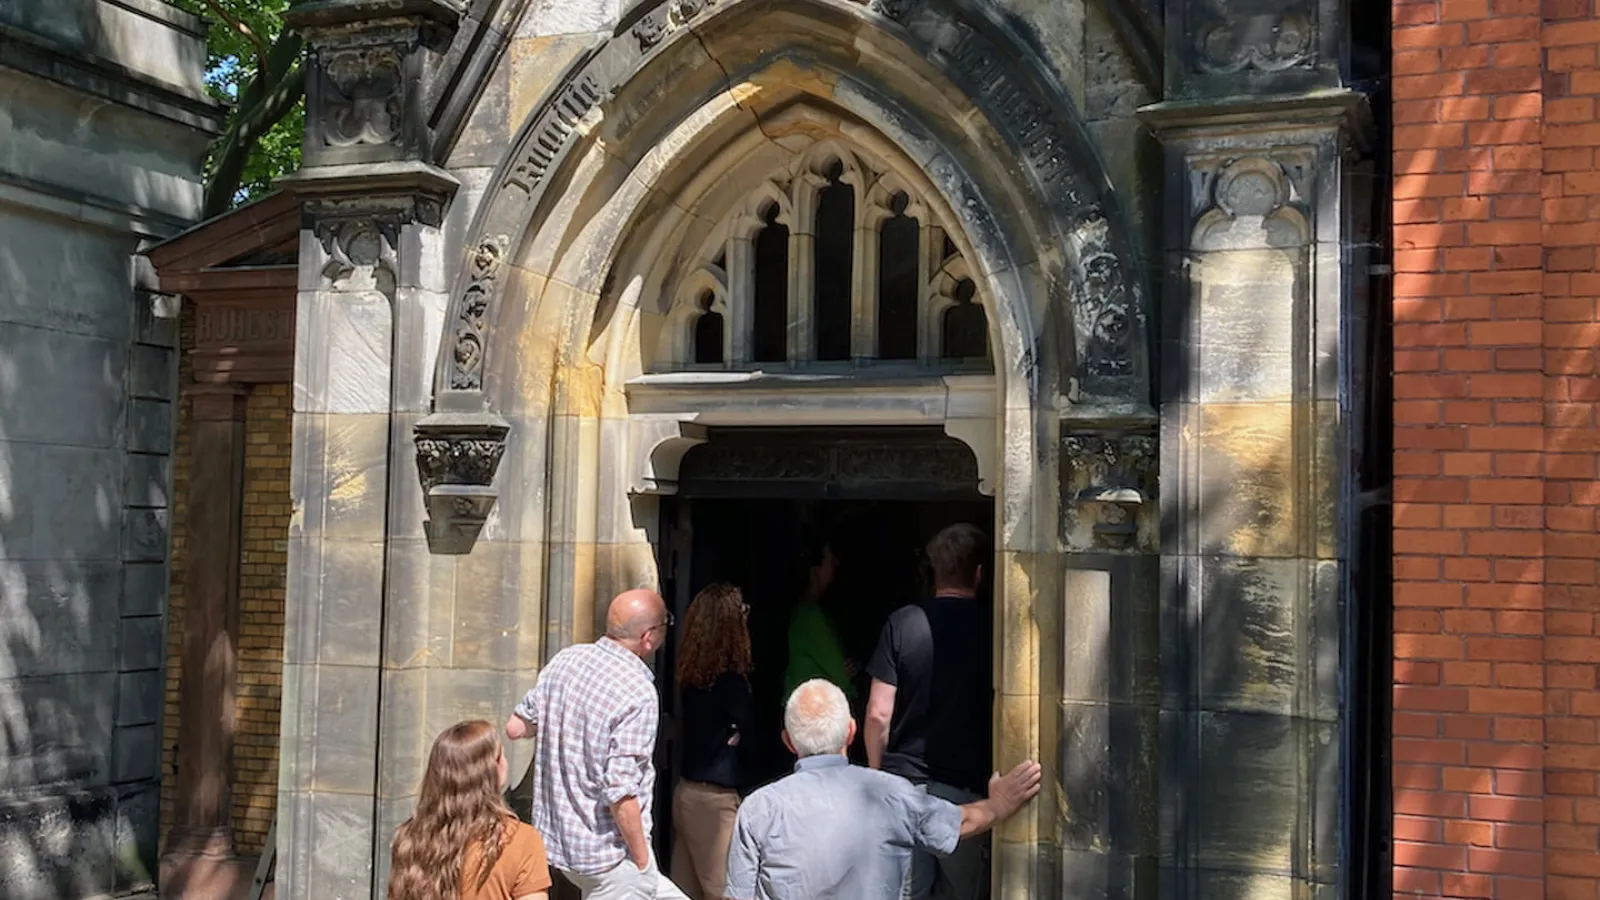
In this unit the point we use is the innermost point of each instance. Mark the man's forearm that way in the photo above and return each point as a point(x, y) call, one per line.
point(631, 823)
point(980, 816)
point(877, 739)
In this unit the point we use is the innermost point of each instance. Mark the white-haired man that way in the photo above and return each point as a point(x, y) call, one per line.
point(835, 831)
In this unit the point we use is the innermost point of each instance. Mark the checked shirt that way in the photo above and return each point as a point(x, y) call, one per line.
point(595, 711)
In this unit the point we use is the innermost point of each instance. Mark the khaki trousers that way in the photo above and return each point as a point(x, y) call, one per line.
point(702, 823)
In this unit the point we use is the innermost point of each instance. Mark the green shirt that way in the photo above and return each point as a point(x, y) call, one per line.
point(814, 651)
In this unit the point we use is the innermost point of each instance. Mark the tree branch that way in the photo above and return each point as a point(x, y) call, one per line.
point(238, 25)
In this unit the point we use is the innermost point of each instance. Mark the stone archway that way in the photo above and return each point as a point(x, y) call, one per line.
point(533, 343)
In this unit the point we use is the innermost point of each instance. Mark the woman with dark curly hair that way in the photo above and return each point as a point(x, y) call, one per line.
point(718, 717)
point(463, 842)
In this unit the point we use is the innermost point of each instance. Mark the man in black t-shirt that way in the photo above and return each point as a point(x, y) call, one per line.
point(928, 713)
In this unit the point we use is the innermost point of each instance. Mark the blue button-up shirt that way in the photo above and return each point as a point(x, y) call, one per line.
point(834, 831)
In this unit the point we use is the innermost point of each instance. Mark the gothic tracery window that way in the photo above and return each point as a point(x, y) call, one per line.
point(833, 261)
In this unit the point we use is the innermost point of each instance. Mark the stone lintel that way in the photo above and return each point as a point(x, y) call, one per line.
point(391, 178)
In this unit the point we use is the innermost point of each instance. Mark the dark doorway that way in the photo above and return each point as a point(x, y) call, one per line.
point(787, 492)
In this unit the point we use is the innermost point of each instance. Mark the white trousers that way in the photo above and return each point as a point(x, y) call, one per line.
point(627, 882)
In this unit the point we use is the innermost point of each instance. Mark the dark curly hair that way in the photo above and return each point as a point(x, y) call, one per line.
point(715, 639)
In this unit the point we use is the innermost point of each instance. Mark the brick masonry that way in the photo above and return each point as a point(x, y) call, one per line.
point(263, 565)
point(1497, 216)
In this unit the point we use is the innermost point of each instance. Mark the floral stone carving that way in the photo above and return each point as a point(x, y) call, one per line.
point(457, 457)
point(1108, 490)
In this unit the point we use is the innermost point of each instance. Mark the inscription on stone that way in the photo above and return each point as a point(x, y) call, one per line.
point(215, 325)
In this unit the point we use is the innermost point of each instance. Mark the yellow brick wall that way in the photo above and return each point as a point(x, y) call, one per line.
point(262, 572)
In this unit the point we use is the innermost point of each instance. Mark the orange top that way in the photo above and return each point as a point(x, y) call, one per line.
point(521, 869)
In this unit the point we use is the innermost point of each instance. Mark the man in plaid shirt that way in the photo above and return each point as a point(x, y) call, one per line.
point(596, 707)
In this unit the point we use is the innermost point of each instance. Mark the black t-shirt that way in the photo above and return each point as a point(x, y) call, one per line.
point(937, 655)
point(710, 717)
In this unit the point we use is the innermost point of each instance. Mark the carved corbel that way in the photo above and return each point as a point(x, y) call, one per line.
point(457, 456)
point(1109, 490)
point(656, 447)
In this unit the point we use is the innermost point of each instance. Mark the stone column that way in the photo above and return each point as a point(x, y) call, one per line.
point(367, 317)
point(200, 847)
point(1255, 466)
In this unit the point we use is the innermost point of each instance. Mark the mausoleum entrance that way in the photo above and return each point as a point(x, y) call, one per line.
point(754, 505)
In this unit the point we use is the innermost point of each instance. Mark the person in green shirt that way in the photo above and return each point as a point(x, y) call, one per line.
point(815, 650)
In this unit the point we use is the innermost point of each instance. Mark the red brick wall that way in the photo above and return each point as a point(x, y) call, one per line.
point(1497, 215)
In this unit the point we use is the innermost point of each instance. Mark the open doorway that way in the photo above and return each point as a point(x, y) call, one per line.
point(765, 546)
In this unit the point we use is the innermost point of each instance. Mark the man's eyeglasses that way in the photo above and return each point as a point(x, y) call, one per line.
point(666, 624)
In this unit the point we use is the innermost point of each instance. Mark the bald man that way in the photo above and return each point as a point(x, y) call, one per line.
point(593, 771)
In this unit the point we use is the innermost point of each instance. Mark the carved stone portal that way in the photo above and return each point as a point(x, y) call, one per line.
point(457, 457)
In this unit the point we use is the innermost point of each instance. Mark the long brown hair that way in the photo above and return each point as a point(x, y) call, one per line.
point(459, 806)
point(715, 640)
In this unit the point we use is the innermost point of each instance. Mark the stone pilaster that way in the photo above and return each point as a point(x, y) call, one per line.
point(370, 299)
point(1256, 471)
point(1107, 746)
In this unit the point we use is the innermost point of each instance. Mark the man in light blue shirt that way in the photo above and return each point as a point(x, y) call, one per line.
point(834, 831)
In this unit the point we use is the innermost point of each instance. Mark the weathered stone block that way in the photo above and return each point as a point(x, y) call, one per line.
point(343, 351)
point(1243, 788)
point(145, 535)
point(71, 495)
point(147, 480)
point(403, 739)
point(346, 718)
point(140, 696)
point(136, 753)
point(142, 643)
point(491, 627)
point(1250, 303)
point(86, 369)
point(63, 278)
point(63, 726)
point(150, 426)
point(1252, 634)
point(144, 589)
point(337, 619)
point(1249, 483)
point(152, 372)
point(341, 845)
point(1108, 763)
point(356, 484)
point(63, 616)
point(421, 604)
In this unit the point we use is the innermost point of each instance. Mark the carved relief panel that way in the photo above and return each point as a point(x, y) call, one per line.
point(1108, 491)
point(367, 80)
point(1226, 47)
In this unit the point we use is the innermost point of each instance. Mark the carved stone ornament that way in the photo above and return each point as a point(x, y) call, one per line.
point(362, 233)
point(365, 95)
point(1272, 39)
point(1252, 206)
point(457, 457)
point(1109, 316)
point(1110, 482)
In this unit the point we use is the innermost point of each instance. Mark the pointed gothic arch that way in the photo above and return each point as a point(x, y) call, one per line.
point(553, 303)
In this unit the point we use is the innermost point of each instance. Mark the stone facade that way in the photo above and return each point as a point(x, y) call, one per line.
point(103, 125)
point(517, 218)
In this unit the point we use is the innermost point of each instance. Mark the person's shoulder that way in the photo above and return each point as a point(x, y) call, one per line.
point(522, 841)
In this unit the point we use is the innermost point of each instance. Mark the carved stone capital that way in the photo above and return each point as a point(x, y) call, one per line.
point(1109, 490)
point(370, 65)
point(457, 457)
point(357, 213)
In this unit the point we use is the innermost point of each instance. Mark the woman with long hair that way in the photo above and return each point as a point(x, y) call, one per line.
point(718, 733)
point(463, 842)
